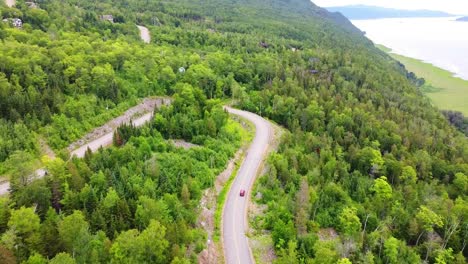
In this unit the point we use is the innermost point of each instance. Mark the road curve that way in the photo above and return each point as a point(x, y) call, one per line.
point(102, 141)
point(10, 3)
point(5, 186)
point(94, 145)
point(107, 139)
point(144, 34)
point(234, 221)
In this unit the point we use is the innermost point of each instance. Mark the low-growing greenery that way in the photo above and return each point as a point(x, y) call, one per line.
point(445, 90)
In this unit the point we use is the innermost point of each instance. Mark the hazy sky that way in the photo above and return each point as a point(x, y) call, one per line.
point(451, 6)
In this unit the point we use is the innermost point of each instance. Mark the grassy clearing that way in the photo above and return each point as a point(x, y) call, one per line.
point(383, 48)
point(446, 91)
point(262, 248)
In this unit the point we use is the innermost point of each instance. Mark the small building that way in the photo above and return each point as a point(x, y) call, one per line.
point(17, 23)
point(109, 18)
point(181, 69)
point(263, 44)
point(155, 21)
point(294, 48)
point(314, 60)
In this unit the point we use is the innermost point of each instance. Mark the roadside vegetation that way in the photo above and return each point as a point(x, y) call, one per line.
point(368, 171)
point(135, 202)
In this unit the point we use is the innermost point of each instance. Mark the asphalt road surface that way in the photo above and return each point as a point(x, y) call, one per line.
point(144, 34)
point(5, 186)
point(94, 145)
point(235, 225)
point(10, 3)
point(107, 139)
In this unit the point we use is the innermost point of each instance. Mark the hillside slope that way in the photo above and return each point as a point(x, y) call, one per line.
point(369, 170)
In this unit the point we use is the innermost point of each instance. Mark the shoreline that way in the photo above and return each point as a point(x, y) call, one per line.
point(434, 40)
point(446, 89)
point(454, 74)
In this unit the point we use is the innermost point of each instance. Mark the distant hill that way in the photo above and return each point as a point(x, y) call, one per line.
point(374, 12)
point(361, 141)
point(463, 19)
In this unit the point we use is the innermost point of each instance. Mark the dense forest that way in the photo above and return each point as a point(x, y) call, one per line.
point(365, 158)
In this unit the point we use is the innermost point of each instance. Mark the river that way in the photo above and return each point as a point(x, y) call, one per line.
point(442, 42)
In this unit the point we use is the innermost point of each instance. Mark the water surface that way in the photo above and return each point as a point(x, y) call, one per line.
point(439, 41)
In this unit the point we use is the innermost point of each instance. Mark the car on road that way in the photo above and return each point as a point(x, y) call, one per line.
point(242, 193)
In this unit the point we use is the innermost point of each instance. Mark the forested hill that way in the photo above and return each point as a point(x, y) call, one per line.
point(368, 170)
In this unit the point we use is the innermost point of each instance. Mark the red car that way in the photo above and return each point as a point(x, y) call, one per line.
point(242, 192)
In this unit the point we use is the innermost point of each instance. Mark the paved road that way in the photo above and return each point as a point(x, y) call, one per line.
point(5, 186)
point(102, 141)
point(144, 34)
point(236, 245)
point(94, 145)
point(107, 139)
point(10, 3)
point(102, 136)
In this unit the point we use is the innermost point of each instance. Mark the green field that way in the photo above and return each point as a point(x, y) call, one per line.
point(445, 90)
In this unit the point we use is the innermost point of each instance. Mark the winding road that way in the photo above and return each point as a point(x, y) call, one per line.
point(105, 139)
point(144, 34)
point(234, 221)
